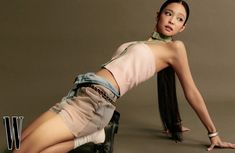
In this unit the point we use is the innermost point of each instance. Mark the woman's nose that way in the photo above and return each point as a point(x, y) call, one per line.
point(171, 21)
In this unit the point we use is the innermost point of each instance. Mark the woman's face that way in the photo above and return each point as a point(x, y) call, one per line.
point(171, 20)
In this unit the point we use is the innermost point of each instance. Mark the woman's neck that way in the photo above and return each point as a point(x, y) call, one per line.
point(161, 37)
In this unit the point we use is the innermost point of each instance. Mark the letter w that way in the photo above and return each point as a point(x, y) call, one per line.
point(13, 131)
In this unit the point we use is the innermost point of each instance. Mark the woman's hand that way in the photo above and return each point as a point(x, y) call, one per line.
point(216, 142)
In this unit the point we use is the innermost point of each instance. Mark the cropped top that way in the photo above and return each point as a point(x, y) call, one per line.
point(132, 63)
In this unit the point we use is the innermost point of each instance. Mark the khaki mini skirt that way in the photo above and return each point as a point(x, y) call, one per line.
point(86, 112)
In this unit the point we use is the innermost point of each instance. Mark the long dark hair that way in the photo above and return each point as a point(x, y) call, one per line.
point(167, 97)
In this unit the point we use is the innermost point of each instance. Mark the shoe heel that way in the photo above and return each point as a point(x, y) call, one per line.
point(115, 128)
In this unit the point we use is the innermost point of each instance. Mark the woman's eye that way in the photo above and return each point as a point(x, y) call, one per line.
point(168, 13)
point(180, 19)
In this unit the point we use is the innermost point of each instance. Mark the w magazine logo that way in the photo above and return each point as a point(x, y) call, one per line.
point(13, 127)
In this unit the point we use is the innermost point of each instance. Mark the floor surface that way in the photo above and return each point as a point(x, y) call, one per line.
point(140, 129)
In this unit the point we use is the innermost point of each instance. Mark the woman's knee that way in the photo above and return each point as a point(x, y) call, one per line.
point(60, 148)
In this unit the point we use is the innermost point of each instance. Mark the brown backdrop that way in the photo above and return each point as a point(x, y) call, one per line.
point(44, 44)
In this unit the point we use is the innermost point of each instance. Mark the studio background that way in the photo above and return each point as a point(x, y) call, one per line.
point(45, 44)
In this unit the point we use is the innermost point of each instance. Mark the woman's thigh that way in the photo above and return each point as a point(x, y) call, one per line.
point(50, 132)
point(36, 123)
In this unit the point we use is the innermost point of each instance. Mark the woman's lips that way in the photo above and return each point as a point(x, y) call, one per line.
point(168, 28)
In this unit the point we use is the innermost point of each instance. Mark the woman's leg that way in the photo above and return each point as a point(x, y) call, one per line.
point(44, 117)
point(96, 137)
point(60, 147)
point(50, 132)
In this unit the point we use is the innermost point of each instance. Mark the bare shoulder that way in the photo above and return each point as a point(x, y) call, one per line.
point(178, 48)
point(178, 45)
point(178, 52)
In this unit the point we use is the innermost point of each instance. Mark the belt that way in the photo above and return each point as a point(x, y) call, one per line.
point(102, 93)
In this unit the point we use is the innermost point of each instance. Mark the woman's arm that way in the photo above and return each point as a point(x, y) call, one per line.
point(192, 94)
point(180, 64)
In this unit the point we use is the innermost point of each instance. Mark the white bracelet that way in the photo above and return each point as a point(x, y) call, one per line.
point(214, 134)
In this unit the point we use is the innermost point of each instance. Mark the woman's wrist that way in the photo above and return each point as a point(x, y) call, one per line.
point(213, 134)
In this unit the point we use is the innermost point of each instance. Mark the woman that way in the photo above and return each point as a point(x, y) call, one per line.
point(82, 115)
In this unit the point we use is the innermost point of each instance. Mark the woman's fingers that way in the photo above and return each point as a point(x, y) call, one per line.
point(184, 129)
point(221, 145)
point(228, 145)
point(211, 147)
point(233, 146)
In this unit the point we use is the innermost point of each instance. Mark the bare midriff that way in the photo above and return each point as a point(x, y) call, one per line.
point(106, 74)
